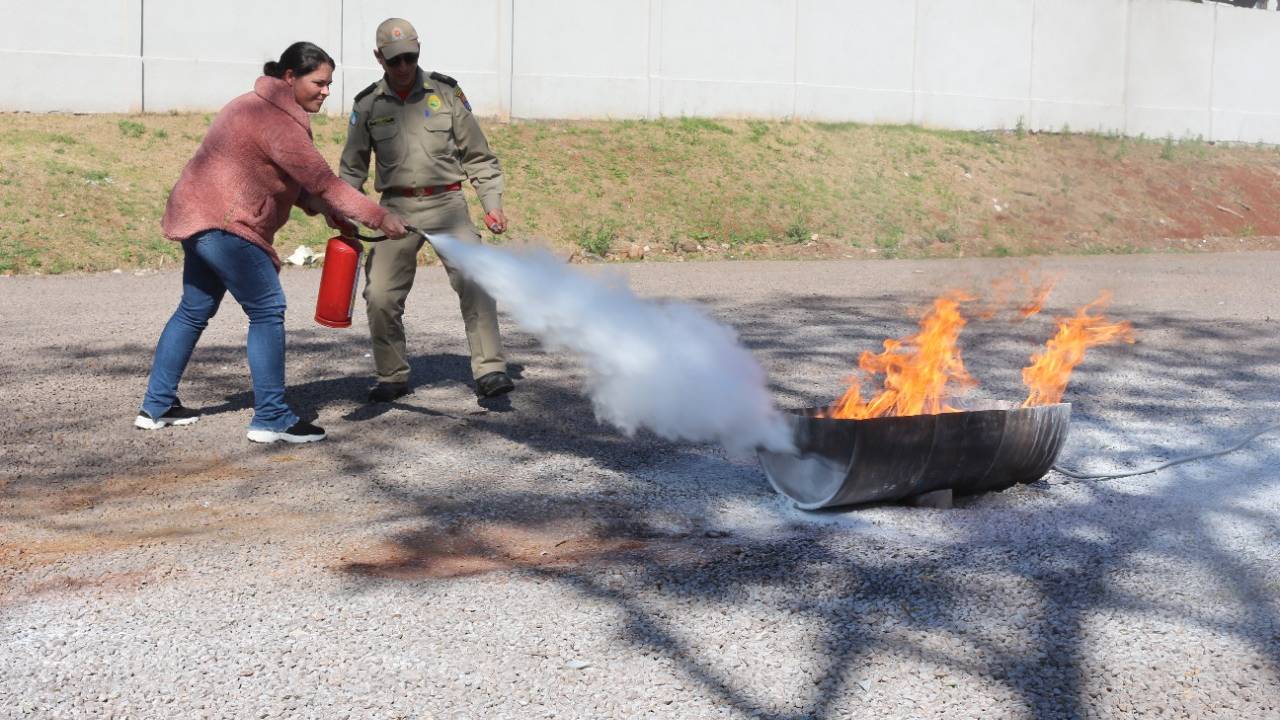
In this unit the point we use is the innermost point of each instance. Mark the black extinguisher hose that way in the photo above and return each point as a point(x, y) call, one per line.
point(378, 238)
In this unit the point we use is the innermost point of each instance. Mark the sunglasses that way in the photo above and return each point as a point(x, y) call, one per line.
point(406, 59)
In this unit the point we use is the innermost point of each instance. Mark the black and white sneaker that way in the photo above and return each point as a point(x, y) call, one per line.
point(301, 432)
point(176, 415)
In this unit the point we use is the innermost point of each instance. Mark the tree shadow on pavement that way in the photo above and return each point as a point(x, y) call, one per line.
point(863, 594)
point(1004, 588)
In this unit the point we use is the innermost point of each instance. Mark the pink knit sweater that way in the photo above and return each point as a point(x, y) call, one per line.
point(256, 162)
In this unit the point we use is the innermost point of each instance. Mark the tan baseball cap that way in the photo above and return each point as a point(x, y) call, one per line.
point(396, 37)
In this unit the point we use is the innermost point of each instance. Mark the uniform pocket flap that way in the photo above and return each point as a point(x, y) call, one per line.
point(383, 128)
point(440, 122)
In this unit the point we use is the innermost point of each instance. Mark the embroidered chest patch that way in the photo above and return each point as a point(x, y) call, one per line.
point(434, 102)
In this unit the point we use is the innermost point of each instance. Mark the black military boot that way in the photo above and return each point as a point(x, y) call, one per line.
point(494, 384)
point(388, 391)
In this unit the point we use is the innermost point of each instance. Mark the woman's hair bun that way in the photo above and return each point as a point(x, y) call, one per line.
point(301, 57)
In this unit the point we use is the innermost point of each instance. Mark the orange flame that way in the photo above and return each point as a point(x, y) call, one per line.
point(1049, 371)
point(1038, 296)
point(996, 298)
point(999, 296)
point(918, 370)
point(923, 371)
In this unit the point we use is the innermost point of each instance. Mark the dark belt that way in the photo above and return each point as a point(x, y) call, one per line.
point(424, 191)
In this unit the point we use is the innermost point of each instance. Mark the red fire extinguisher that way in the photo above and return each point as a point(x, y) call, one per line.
point(338, 282)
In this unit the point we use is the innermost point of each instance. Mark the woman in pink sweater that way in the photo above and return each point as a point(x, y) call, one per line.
point(256, 162)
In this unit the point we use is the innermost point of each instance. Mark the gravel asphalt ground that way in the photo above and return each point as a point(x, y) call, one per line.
point(435, 558)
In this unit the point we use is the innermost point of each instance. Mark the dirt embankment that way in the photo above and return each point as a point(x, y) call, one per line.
point(87, 192)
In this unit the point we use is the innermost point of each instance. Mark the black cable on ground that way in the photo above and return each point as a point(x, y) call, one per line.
point(1171, 463)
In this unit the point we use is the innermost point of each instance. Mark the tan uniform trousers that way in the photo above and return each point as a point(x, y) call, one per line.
point(389, 274)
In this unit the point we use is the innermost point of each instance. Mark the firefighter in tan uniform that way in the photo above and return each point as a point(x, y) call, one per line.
point(426, 142)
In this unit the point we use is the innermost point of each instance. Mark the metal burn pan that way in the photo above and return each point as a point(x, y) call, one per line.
point(849, 462)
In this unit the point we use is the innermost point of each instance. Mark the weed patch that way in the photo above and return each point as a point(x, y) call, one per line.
point(692, 124)
point(889, 238)
point(837, 127)
point(596, 239)
point(797, 232)
point(131, 129)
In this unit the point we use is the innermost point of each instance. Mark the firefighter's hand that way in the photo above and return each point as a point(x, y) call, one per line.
point(341, 224)
point(496, 221)
point(393, 226)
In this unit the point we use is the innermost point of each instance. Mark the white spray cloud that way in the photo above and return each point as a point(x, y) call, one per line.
point(659, 365)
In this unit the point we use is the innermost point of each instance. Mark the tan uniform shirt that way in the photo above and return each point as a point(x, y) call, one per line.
point(429, 139)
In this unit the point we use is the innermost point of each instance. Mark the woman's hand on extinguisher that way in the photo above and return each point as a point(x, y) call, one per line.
point(393, 226)
point(344, 226)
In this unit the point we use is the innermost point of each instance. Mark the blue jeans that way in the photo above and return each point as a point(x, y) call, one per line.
point(215, 262)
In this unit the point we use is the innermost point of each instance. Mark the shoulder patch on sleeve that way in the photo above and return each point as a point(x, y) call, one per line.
point(364, 93)
point(441, 77)
point(457, 92)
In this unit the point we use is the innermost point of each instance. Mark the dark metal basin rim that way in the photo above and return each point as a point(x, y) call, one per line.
point(848, 462)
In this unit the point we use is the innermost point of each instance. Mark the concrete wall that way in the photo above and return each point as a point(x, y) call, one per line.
point(1153, 67)
point(1170, 68)
point(198, 55)
point(1246, 87)
point(1078, 65)
point(581, 59)
point(719, 60)
point(856, 60)
point(71, 55)
point(973, 62)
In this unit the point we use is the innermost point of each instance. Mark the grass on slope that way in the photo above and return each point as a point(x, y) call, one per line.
point(86, 192)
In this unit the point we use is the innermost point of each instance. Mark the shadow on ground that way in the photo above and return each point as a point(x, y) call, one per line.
point(1185, 386)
